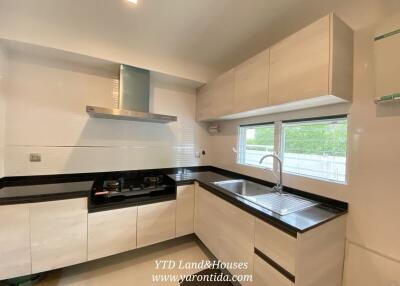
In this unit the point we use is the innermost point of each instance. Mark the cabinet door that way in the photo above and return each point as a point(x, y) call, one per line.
point(111, 232)
point(299, 64)
point(208, 219)
point(155, 223)
point(236, 239)
point(251, 83)
point(266, 275)
point(184, 210)
point(15, 247)
point(58, 234)
point(223, 93)
point(215, 99)
point(204, 103)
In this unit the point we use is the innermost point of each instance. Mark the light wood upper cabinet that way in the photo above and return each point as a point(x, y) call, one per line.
point(155, 223)
point(316, 61)
point(215, 100)
point(15, 245)
point(251, 83)
point(184, 210)
point(111, 232)
point(310, 68)
point(58, 233)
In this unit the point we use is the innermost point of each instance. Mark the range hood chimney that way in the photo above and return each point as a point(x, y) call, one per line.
point(133, 103)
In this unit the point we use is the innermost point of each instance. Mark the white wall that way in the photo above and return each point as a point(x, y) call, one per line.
point(46, 114)
point(3, 68)
point(373, 252)
point(112, 30)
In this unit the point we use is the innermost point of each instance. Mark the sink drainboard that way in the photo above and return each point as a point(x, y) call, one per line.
point(282, 204)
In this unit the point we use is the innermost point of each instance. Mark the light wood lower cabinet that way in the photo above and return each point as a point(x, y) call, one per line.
point(266, 275)
point(208, 219)
point(155, 223)
point(313, 258)
point(276, 244)
point(15, 248)
point(320, 254)
point(111, 232)
point(58, 233)
point(184, 210)
point(236, 239)
point(226, 230)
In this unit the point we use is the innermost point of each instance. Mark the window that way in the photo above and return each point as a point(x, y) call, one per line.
point(254, 142)
point(314, 148)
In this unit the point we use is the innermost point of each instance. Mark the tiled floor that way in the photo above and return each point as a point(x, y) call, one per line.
point(132, 268)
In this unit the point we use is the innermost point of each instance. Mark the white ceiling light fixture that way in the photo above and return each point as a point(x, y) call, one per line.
point(133, 1)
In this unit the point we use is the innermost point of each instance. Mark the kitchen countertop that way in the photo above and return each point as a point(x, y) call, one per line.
point(44, 192)
point(292, 223)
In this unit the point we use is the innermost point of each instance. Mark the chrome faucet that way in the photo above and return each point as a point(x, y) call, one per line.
point(279, 186)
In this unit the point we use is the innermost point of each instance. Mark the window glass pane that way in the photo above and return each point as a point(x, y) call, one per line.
point(316, 148)
point(255, 142)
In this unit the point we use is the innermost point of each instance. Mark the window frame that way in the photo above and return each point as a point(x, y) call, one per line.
point(240, 146)
point(279, 145)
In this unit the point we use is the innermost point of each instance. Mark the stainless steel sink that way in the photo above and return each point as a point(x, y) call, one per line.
point(266, 197)
point(243, 187)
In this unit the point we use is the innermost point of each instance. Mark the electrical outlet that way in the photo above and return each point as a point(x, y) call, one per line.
point(35, 157)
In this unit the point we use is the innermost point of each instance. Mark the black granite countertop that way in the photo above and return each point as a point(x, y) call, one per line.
point(44, 192)
point(29, 189)
point(292, 223)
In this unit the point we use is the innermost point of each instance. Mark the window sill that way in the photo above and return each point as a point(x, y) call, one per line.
point(296, 175)
point(255, 166)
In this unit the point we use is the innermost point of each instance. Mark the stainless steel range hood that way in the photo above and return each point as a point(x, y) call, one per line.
point(133, 103)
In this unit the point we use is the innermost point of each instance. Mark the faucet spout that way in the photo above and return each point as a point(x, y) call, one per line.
point(279, 183)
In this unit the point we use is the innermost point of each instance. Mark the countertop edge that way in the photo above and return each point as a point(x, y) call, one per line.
point(287, 228)
point(44, 198)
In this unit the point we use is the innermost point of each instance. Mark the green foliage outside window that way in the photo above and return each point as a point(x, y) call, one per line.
point(317, 138)
point(263, 136)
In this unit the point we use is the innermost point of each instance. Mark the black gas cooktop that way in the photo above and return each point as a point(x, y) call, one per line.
point(115, 190)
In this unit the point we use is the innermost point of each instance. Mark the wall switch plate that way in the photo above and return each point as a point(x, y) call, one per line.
point(35, 157)
point(197, 154)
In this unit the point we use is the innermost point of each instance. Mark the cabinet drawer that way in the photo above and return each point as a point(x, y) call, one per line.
point(277, 245)
point(111, 232)
point(155, 223)
point(266, 275)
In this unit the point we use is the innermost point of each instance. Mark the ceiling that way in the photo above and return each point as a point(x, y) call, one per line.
point(193, 38)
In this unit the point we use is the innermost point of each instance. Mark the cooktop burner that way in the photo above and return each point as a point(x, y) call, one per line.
point(111, 188)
